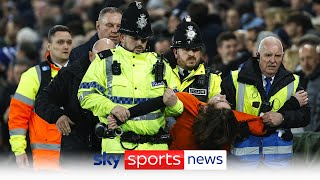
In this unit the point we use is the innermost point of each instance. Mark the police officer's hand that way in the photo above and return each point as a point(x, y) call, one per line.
point(169, 97)
point(63, 125)
point(121, 113)
point(112, 122)
point(302, 97)
point(272, 119)
point(22, 160)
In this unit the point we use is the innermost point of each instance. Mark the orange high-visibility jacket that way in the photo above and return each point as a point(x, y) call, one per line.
point(44, 137)
point(182, 130)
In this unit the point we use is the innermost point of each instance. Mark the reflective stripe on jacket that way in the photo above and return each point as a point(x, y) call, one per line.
point(100, 91)
point(270, 148)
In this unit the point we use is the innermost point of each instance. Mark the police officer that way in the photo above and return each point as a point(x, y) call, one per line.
point(190, 71)
point(128, 75)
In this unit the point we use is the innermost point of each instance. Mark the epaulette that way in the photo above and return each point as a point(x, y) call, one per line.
point(104, 54)
point(212, 70)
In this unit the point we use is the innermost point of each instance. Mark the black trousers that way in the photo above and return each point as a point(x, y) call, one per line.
point(77, 150)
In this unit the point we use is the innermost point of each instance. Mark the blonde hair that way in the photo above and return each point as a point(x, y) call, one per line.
point(291, 59)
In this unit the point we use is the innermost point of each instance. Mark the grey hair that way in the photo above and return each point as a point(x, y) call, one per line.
point(108, 10)
point(261, 44)
point(262, 35)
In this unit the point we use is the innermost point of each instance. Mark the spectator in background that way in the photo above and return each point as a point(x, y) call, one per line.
point(250, 39)
point(291, 60)
point(24, 35)
point(227, 47)
point(162, 45)
point(178, 13)
point(275, 17)
point(249, 19)
point(241, 47)
point(107, 26)
point(309, 61)
point(173, 22)
point(232, 21)
point(27, 50)
point(310, 39)
point(12, 27)
point(209, 24)
point(316, 10)
point(227, 58)
point(294, 28)
point(18, 67)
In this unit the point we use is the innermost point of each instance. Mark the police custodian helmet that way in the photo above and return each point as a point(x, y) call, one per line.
point(135, 21)
point(187, 35)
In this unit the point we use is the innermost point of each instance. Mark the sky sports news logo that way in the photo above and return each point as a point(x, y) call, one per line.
point(167, 160)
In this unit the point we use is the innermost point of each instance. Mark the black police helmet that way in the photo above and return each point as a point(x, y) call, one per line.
point(135, 21)
point(187, 35)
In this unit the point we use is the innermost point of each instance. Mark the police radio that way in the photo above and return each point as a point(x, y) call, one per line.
point(201, 80)
point(158, 70)
point(116, 68)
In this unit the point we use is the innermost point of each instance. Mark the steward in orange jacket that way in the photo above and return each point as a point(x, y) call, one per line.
point(44, 138)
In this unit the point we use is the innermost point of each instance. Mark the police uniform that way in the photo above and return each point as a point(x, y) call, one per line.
point(200, 81)
point(121, 77)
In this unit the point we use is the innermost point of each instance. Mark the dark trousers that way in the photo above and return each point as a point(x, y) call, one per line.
point(77, 150)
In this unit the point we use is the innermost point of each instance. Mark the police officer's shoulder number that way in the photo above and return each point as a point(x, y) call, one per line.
point(104, 54)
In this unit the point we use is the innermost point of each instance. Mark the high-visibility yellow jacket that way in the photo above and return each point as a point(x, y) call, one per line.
point(44, 138)
point(100, 91)
point(192, 85)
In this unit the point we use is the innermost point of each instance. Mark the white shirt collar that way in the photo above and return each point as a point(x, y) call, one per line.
point(181, 70)
point(264, 81)
point(65, 65)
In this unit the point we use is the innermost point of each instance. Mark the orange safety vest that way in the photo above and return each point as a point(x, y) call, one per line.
point(45, 138)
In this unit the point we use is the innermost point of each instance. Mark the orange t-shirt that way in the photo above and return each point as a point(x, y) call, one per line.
point(182, 133)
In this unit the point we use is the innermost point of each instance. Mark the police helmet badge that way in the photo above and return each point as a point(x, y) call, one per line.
point(191, 34)
point(142, 21)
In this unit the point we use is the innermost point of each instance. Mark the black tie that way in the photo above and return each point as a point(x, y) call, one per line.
point(185, 74)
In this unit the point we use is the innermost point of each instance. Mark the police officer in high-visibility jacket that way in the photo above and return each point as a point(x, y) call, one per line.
point(44, 137)
point(262, 87)
point(125, 76)
point(190, 72)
